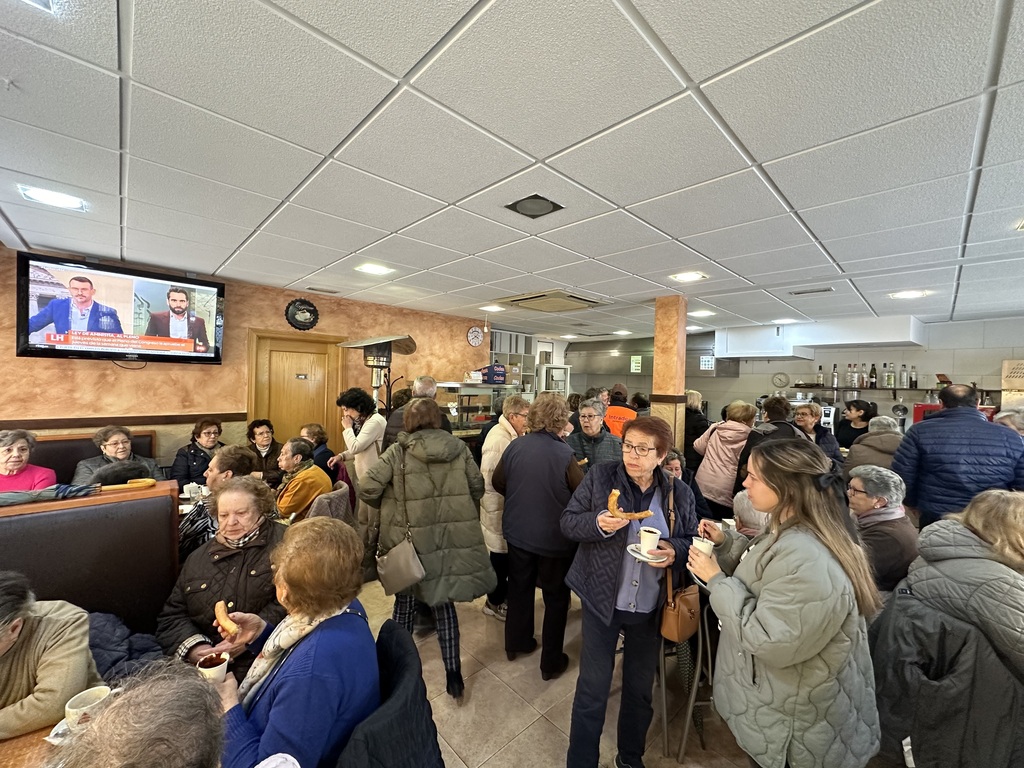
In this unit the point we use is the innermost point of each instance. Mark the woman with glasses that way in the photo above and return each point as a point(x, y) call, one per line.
point(807, 416)
point(622, 588)
point(537, 474)
point(888, 535)
point(192, 460)
point(591, 443)
point(115, 444)
point(266, 451)
point(793, 677)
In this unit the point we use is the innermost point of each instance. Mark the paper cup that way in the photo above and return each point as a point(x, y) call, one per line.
point(649, 538)
point(214, 667)
point(81, 709)
point(706, 546)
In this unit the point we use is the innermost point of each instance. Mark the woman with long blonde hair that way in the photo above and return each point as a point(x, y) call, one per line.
point(793, 678)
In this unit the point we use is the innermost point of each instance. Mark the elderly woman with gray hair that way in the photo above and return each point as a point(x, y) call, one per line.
point(115, 444)
point(591, 443)
point(16, 474)
point(877, 447)
point(1012, 418)
point(889, 537)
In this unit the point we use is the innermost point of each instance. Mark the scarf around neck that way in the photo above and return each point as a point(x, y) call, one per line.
point(239, 543)
point(882, 515)
point(289, 476)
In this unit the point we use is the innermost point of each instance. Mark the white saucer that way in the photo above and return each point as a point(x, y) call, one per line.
point(634, 550)
point(700, 582)
point(59, 733)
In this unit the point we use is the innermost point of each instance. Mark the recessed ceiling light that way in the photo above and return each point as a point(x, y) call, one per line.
point(492, 308)
point(568, 336)
point(374, 269)
point(1020, 227)
point(908, 295)
point(701, 313)
point(49, 197)
point(534, 206)
point(784, 321)
point(688, 277)
point(622, 333)
point(694, 328)
point(43, 5)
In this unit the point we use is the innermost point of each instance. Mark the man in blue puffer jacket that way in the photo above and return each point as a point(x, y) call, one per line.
point(956, 454)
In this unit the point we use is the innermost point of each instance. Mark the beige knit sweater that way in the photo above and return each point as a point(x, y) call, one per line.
point(49, 663)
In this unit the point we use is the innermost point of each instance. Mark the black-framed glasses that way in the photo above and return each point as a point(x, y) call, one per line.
point(209, 434)
point(639, 450)
point(588, 417)
point(855, 491)
point(118, 444)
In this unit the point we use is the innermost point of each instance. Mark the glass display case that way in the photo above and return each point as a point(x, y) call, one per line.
point(469, 405)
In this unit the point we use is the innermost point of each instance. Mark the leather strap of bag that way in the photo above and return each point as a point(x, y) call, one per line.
point(400, 491)
point(670, 600)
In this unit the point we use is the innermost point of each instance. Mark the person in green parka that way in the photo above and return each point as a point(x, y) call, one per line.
point(427, 483)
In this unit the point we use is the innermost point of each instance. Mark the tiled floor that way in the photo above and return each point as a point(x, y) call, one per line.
point(510, 718)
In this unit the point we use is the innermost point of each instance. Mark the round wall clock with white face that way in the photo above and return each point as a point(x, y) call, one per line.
point(475, 336)
point(780, 379)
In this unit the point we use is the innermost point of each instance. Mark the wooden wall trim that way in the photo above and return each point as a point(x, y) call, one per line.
point(124, 421)
point(668, 398)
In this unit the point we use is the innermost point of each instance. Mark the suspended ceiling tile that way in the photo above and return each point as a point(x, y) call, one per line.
point(300, 223)
point(995, 248)
point(713, 205)
point(578, 203)
point(926, 278)
point(930, 201)
point(462, 231)
point(172, 133)
point(917, 149)
point(996, 225)
point(435, 282)
point(532, 255)
point(177, 253)
point(480, 294)
point(256, 278)
point(57, 94)
point(711, 35)
point(620, 286)
point(581, 68)
point(423, 147)
point(753, 237)
point(904, 260)
point(438, 303)
point(254, 262)
point(72, 225)
point(394, 292)
point(1000, 186)
point(668, 257)
point(87, 29)
point(673, 147)
point(237, 58)
point(514, 286)
point(37, 152)
point(180, 191)
point(412, 253)
point(164, 221)
point(764, 265)
point(606, 234)
point(1002, 277)
point(107, 249)
point(298, 251)
point(356, 196)
point(887, 61)
point(395, 34)
point(1013, 57)
point(476, 270)
point(343, 276)
point(102, 207)
point(917, 237)
point(1006, 131)
point(582, 273)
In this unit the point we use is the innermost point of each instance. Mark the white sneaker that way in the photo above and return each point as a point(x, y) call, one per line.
point(497, 611)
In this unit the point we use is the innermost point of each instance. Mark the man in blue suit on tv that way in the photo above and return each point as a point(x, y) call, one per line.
point(77, 313)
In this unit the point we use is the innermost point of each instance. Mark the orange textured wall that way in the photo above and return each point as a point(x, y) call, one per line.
point(48, 389)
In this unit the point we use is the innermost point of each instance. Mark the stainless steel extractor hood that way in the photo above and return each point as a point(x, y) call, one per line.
point(618, 357)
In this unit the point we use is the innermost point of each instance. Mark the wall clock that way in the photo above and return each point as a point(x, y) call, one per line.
point(475, 336)
point(780, 379)
point(301, 314)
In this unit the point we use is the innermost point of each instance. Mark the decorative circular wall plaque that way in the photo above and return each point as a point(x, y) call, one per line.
point(301, 314)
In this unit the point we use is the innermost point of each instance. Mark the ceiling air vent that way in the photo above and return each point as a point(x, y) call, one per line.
point(321, 290)
point(534, 206)
point(812, 291)
point(551, 301)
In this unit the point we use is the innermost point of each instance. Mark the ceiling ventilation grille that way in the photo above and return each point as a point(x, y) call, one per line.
point(551, 301)
point(812, 291)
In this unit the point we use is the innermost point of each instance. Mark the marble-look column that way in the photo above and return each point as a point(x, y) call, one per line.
point(667, 399)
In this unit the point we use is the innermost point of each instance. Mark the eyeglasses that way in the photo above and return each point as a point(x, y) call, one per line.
point(524, 414)
point(855, 491)
point(119, 444)
point(209, 434)
point(639, 450)
point(584, 417)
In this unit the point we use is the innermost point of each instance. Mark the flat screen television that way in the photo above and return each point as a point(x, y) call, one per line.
point(68, 308)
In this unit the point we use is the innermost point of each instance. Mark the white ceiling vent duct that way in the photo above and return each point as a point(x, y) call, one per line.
point(551, 301)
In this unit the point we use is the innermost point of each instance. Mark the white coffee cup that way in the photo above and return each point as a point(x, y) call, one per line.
point(81, 709)
point(706, 546)
point(192, 490)
point(215, 674)
point(649, 538)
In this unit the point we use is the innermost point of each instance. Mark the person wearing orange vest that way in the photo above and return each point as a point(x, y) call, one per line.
point(619, 411)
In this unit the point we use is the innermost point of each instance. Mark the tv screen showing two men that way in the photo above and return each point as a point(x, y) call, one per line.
point(97, 311)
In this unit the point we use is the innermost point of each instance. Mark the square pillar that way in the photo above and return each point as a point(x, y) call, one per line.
point(668, 400)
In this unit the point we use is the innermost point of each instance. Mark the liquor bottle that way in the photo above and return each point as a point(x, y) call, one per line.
point(913, 377)
point(904, 377)
point(862, 382)
point(890, 376)
point(849, 376)
point(819, 379)
point(835, 375)
point(873, 378)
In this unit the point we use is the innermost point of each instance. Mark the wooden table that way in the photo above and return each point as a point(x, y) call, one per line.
point(28, 751)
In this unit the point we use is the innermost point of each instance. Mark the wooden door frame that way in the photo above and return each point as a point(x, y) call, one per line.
point(256, 335)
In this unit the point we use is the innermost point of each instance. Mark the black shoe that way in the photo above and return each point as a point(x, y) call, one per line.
point(621, 763)
point(456, 686)
point(562, 666)
point(511, 655)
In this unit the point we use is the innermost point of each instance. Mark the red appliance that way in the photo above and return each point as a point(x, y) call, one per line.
point(920, 409)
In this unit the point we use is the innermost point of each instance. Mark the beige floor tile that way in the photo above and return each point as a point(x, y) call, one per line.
point(539, 745)
point(451, 760)
point(433, 667)
point(490, 716)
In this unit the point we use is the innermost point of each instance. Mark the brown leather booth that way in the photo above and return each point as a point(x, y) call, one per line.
point(114, 552)
point(61, 453)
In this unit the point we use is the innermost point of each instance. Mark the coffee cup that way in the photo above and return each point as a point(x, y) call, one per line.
point(649, 538)
point(81, 709)
point(214, 666)
point(706, 546)
point(192, 490)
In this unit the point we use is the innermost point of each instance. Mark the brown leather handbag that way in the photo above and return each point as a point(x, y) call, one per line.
point(680, 618)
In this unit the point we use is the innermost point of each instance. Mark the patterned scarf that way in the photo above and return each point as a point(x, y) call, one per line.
point(239, 543)
point(285, 635)
point(289, 476)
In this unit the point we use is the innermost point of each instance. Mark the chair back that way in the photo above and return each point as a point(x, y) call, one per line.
point(401, 732)
point(335, 504)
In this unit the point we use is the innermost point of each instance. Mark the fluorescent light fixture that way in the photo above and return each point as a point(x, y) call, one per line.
point(784, 321)
point(701, 313)
point(492, 308)
point(49, 197)
point(908, 295)
point(374, 269)
point(568, 336)
point(43, 5)
point(694, 328)
point(1020, 227)
point(688, 277)
point(622, 333)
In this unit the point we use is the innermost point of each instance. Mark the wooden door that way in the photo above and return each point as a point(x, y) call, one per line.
point(295, 380)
